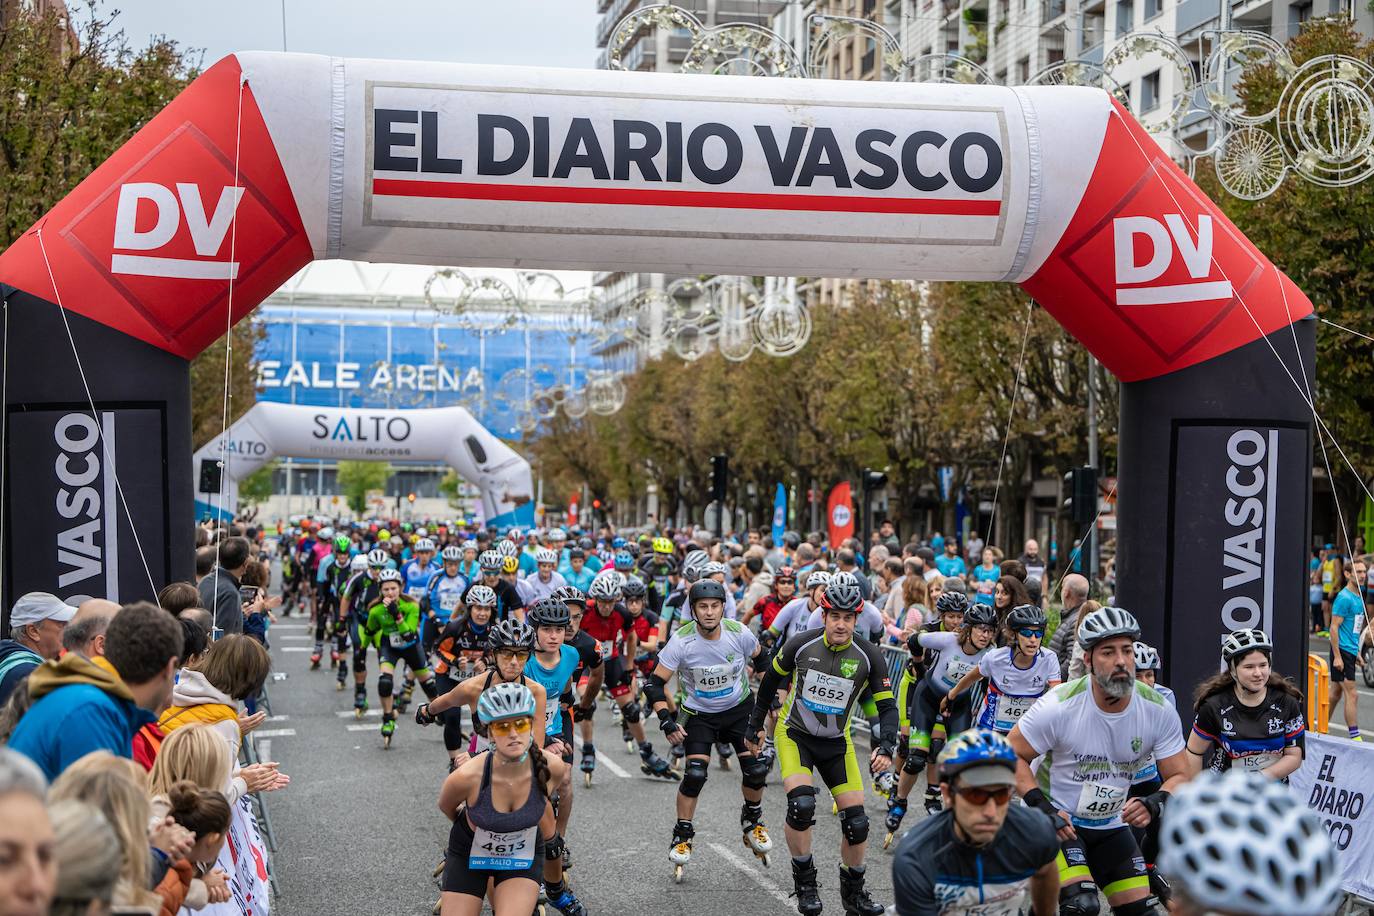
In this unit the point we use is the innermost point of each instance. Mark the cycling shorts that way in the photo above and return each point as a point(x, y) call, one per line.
point(706, 729)
point(1109, 858)
point(834, 758)
point(459, 878)
point(618, 676)
point(411, 655)
point(905, 684)
point(925, 715)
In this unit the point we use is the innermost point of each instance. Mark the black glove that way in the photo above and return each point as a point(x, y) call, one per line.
point(1155, 804)
point(1036, 798)
point(422, 715)
point(667, 722)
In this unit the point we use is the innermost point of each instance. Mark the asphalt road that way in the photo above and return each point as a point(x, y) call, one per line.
point(358, 830)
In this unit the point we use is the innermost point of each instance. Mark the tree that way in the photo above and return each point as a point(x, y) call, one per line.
point(449, 486)
point(356, 478)
point(208, 417)
point(257, 487)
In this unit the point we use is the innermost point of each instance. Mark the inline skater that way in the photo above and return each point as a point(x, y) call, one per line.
point(957, 654)
point(766, 608)
point(416, 573)
point(360, 594)
point(674, 612)
point(791, 620)
point(658, 567)
point(1091, 735)
point(500, 805)
point(1238, 844)
point(393, 626)
point(468, 568)
point(591, 668)
point(1146, 781)
point(509, 604)
point(1018, 673)
point(510, 643)
point(357, 567)
point(981, 854)
point(709, 657)
point(461, 651)
point(608, 623)
point(544, 581)
point(335, 571)
point(829, 670)
point(445, 589)
point(1254, 715)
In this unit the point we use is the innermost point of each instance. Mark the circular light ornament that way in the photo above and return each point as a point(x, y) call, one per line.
point(1250, 163)
point(1081, 73)
point(782, 327)
point(1234, 53)
point(947, 68)
point(1147, 47)
point(1326, 121)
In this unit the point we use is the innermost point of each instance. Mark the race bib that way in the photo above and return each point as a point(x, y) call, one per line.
point(503, 851)
point(1098, 804)
point(607, 649)
point(1010, 710)
point(713, 681)
point(955, 671)
point(825, 693)
point(550, 717)
point(448, 601)
point(1253, 763)
point(400, 640)
point(416, 591)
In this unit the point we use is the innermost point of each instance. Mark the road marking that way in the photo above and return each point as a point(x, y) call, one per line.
point(294, 636)
point(758, 877)
point(295, 649)
point(363, 727)
point(351, 714)
point(611, 765)
point(264, 748)
point(276, 718)
point(275, 733)
point(290, 626)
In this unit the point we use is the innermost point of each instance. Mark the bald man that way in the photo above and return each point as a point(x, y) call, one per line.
point(1073, 592)
point(85, 633)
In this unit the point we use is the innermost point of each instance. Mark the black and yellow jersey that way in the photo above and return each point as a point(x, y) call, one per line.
point(828, 681)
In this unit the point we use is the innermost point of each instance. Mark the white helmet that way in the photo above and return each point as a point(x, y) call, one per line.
point(1107, 623)
point(482, 595)
point(325, 533)
point(545, 555)
point(506, 548)
point(390, 575)
point(1243, 642)
point(424, 544)
point(378, 557)
point(358, 563)
point(451, 554)
point(816, 578)
point(1146, 658)
point(558, 534)
point(712, 567)
point(1242, 843)
point(420, 532)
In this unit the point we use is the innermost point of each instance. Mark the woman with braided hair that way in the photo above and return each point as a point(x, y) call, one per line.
point(499, 803)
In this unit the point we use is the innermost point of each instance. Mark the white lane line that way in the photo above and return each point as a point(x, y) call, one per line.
point(363, 727)
point(264, 750)
point(275, 733)
point(276, 718)
point(753, 872)
point(294, 636)
point(350, 714)
point(295, 648)
point(611, 765)
point(290, 626)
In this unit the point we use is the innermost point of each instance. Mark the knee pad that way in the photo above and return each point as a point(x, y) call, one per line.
point(632, 712)
point(753, 772)
point(384, 685)
point(854, 824)
point(1079, 900)
point(430, 688)
point(801, 807)
point(1136, 907)
point(915, 762)
point(553, 849)
point(693, 778)
point(359, 660)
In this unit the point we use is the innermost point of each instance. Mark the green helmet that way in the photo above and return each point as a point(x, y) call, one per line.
point(343, 543)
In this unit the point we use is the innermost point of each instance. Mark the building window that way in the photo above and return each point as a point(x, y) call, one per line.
point(1299, 13)
point(870, 59)
point(1053, 55)
point(869, 7)
point(1125, 17)
point(1153, 8)
point(1023, 70)
point(1149, 91)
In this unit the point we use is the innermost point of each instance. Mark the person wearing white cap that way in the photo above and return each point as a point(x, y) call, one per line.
point(36, 624)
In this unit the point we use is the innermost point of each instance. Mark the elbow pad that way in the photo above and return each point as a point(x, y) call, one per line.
point(654, 689)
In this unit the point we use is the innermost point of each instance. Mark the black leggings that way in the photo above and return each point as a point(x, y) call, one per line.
point(451, 718)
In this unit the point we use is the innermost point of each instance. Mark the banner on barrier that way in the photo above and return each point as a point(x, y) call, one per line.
point(1336, 780)
point(244, 859)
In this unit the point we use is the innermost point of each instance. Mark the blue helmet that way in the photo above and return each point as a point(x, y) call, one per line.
point(618, 543)
point(623, 560)
point(505, 701)
point(972, 748)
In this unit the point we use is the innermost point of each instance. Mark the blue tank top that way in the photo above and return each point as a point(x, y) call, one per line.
point(553, 681)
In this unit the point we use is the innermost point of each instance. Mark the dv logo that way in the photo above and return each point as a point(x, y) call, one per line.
point(1162, 240)
point(208, 233)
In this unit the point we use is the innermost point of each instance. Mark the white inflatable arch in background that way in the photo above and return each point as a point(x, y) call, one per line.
point(450, 435)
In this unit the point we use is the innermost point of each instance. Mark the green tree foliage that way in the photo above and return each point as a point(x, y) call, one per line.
point(356, 478)
point(1323, 238)
point(257, 487)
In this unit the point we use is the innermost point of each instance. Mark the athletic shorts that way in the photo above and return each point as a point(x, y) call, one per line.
point(834, 758)
point(925, 715)
point(460, 879)
point(706, 729)
point(1347, 659)
point(411, 655)
point(617, 677)
point(1108, 857)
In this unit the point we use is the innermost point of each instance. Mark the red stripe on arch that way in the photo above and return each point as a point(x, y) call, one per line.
point(722, 200)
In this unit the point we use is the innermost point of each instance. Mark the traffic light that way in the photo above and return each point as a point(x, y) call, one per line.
point(596, 504)
point(1080, 495)
point(873, 480)
point(720, 474)
point(411, 497)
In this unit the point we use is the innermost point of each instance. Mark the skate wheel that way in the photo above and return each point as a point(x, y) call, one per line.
point(763, 857)
point(630, 747)
point(725, 763)
point(438, 908)
point(677, 874)
point(588, 779)
point(339, 686)
point(834, 808)
point(440, 870)
point(887, 841)
point(357, 713)
point(386, 743)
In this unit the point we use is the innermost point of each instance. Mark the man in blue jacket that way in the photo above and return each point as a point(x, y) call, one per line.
point(82, 705)
point(36, 624)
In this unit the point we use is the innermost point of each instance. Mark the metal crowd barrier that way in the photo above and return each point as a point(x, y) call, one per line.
point(1318, 693)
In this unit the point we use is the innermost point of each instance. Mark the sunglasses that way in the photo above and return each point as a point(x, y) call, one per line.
point(1029, 633)
point(507, 727)
point(980, 796)
point(512, 654)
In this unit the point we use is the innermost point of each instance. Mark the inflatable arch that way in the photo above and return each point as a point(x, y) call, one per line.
point(447, 434)
point(269, 160)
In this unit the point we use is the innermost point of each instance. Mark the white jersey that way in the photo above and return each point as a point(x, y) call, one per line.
point(1011, 689)
point(794, 618)
point(952, 663)
point(532, 588)
point(1150, 771)
point(1089, 757)
point(711, 671)
point(870, 620)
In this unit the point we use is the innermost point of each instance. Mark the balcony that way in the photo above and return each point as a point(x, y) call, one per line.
point(1051, 10)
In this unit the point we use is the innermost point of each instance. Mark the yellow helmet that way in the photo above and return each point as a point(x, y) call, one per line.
point(383, 535)
point(510, 564)
point(663, 545)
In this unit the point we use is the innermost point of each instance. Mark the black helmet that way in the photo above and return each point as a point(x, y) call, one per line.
point(634, 588)
point(842, 593)
point(511, 634)
point(952, 603)
point(977, 614)
point(1026, 615)
point(548, 612)
point(705, 588)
